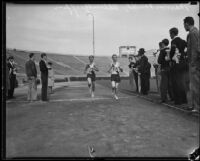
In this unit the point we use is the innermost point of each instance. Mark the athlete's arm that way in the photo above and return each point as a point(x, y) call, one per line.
point(86, 67)
point(109, 69)
point(121, 69)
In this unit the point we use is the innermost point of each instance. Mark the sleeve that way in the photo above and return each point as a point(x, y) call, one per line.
point(35, 70)
point(194, 37)
point(160, 58)
point(173, 49)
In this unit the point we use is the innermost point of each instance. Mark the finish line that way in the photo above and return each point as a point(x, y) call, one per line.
point(71, 100)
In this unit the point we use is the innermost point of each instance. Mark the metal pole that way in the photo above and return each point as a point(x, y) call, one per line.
point(93, 35)
point(93, 42)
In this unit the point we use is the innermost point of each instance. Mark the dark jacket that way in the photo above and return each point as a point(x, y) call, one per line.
point(161, 59)
point(43, 68)
point(143, 62)
point(181, 45)
point(30, 69)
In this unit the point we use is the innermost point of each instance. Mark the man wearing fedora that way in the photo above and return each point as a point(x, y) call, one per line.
point(144, 70)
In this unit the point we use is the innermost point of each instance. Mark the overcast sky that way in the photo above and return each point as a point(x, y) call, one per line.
point(67, 29)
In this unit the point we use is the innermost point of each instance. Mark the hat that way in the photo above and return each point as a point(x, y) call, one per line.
point(10, 57)
point(141, 51)
point(165, 41)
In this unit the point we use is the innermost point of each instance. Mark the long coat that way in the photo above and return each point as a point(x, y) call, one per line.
point(176, 72)
point(44, 79)
point(193, 51)
point(51, 78)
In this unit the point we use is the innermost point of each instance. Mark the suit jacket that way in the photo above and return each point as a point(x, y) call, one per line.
point(181, 45)
point(31, 69)
point(161, 59)
point(193, 47)
point(43, 69)
point(143, 63)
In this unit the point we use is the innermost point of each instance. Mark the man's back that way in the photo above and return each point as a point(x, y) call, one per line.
point(30, 68)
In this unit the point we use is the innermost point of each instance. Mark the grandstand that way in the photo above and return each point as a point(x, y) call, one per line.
point(69, 65)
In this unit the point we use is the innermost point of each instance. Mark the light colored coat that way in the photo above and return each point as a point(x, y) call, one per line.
point(51, 77)
point(193, 51)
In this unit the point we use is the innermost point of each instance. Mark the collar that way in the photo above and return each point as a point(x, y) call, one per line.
point(44, 60)
point(174, 37)
point(192, 28)
point(11, 62)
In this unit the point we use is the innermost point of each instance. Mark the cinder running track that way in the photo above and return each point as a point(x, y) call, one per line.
point(72, 121)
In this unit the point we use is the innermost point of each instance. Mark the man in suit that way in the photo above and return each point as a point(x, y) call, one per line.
point(31, 73)
point(193, 51)
point(177, 55)
point(12, 76)
point(143, 69)
point(44, 76)
point(163, 60)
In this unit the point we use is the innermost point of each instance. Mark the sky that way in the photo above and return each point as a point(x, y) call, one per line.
point(67, 29)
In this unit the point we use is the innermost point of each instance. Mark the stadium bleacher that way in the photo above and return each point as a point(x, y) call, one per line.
point(69, 65)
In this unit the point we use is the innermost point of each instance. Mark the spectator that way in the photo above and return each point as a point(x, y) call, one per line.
point(144, 69)
point(157, 67)
point(12, 76)
point(31, 73)
point(44, 76)
point(163, 60)
point(135, 73)
point(193, 52)
point(131, 75)
point(51, 77)
point(148, 71)
point(176, 71)
point(7, 79)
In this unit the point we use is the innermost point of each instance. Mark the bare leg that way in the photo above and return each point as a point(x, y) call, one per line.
point(93, 88)
point(90, 85)
point(113, 87)
point(116, 89)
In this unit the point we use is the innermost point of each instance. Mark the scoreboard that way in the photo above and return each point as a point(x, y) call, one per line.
point(126, 51)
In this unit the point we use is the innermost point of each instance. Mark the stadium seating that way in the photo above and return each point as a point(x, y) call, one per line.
point(69, 65)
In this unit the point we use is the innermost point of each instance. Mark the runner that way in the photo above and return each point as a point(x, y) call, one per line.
point(115, 77)
point(90, 70)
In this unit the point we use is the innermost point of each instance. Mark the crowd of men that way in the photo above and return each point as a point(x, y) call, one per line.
point(179, 67)
point(47, 77)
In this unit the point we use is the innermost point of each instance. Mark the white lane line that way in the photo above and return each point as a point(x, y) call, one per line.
point(86, 99)
point(73, 99)
point(175, 107)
